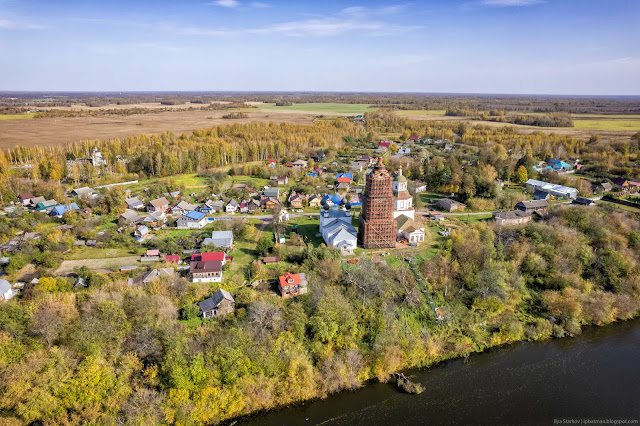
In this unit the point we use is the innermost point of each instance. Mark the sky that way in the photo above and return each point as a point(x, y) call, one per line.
point(562, 47)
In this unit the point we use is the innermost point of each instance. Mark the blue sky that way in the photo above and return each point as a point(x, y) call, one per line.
point(582, 47)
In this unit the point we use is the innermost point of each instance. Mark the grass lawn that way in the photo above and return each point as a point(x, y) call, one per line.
point(83, 253)
point(17, 116)
point(604, 124)
point(320, 108)
point(308, 227)
point(473, 218)
point(618, 206)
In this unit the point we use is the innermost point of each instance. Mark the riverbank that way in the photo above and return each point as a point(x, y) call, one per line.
point(594, 375)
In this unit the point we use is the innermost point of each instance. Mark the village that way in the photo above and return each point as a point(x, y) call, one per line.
point(247, 234)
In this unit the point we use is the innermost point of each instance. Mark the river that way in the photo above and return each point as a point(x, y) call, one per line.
point(594, 375)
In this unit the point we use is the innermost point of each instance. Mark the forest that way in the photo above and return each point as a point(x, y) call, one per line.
point(115, 353)
point(426, 101)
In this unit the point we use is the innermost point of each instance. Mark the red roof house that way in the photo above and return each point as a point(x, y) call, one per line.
point(218, 256)
point(385, 144)
point(172, 258)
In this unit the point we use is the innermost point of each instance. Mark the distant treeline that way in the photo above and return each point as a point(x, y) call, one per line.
point(552, 119)
point(62, 113)
point(517, 103)
point(235, 115)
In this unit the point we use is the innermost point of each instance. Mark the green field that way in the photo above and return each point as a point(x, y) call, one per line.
point(604, 124)
point(17, 116)
point(83, 253)
point(322, 108)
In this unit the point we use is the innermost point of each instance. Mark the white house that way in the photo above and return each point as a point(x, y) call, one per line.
point(222, 239)
point(192, 220)
point(553, 189)
point(6, 292)
point(232, 206)
point(410, 230)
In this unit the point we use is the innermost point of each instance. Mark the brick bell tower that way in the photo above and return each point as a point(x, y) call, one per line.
point(377, 228)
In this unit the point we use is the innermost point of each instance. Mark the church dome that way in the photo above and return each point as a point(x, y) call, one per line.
point(399, 176)
point(347, 206)
point(336, 199)
point(326, 206)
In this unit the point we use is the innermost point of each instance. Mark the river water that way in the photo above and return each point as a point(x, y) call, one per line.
point(594, 375)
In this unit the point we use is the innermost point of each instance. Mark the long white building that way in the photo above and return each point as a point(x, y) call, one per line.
point(552, 188)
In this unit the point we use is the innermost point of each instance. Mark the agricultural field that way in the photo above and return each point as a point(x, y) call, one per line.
point(413, 112)
point(321, 108)
point(606, 123)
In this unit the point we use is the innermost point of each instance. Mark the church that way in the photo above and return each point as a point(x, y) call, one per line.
point(335, 225)
point(402, 200)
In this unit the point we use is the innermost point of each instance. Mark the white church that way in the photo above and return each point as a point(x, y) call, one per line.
point(335, 225)
point(402, 200)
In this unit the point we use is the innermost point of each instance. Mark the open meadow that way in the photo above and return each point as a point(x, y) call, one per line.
point(320, 108)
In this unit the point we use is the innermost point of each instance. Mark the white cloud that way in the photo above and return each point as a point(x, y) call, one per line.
point(324, 27)
point(510, 3)
point(227, 3)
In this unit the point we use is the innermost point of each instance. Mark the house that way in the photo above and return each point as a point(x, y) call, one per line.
point(211, 206)
point(272, 163)
point(357, 166)
point(604, 187)
point(404, 151)
point(410, 230)
point(244, 206)
point(558, 165)
point(436, 216)
point(222, 239)
point(300, 164)
point(343, 186)
point(231, 206)
point(58, 211)
point(271, 260)
point(314, 200)
point(271, 192)
point(583, 201)
point(128, 218)
point(291, 285)
point(155, 219)
point(449, 205)
point(512, 218)
point(385, 144)
point(533, 206)
point(253, 205)
point(634, 184)
point(159, 204)
point(6, 292)
point(412, 139)
point(134, 203)
point(365, 159)
point(142, 233)
point(621, 183)
point(25, 198)
point(206, 271)
point(541, 195)
point(46, 206)
point(344, 177)
point(279, 180)
point(35, 201)
point(216, 256)
point(279, 238)
point(296, 200)
point(79, 192)
point(559, 191)
point(183, 207)
point(156, 274)
point(192, 220)
point(150, 256)
point(218, 305)
point(269, 203)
